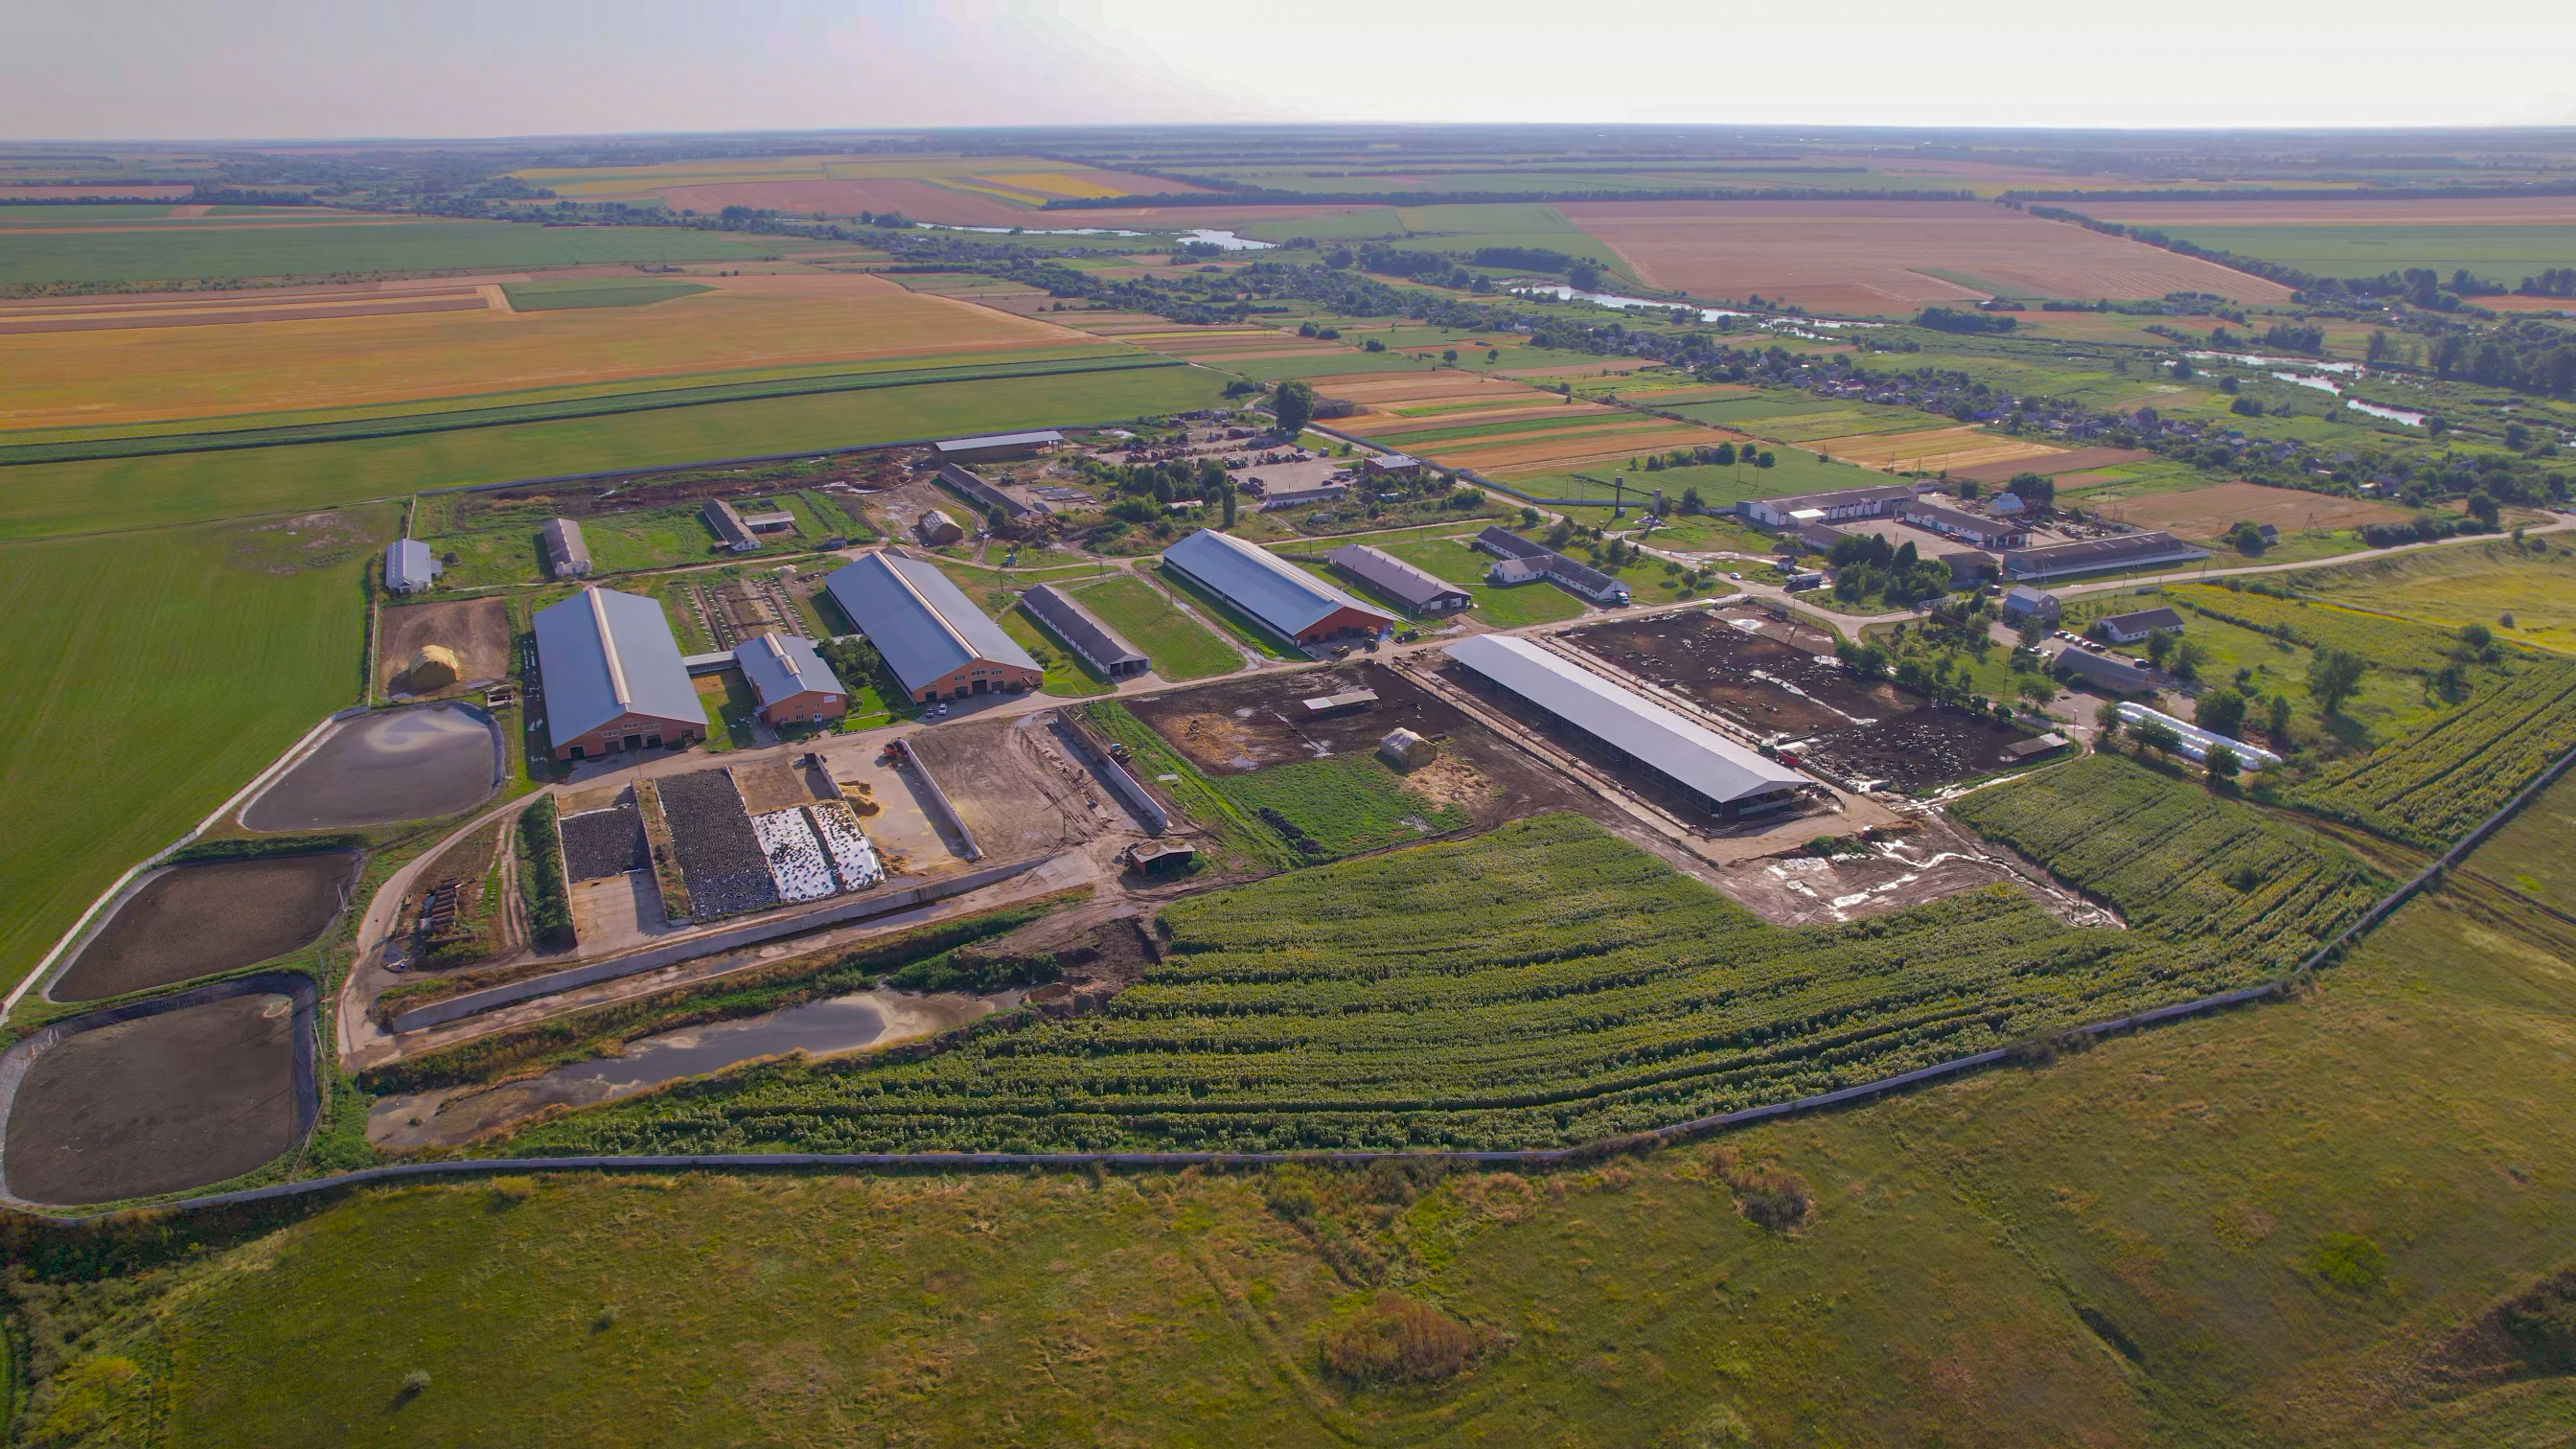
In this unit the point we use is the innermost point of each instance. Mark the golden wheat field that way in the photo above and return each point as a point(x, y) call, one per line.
point(61, 379)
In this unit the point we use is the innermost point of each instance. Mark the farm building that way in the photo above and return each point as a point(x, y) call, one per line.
point(1349, 701)
point(409, 566)
point(1725, 776)
point(1407, 751)
point(1281, 595)
point(790, 680)
point(1525, 562)
point(1276, 498)
point(2117, 673)
point(1833, 507)
point(1966, 527)
point(936, 528)
point(567, 552)
point(938, 644)
point(613, 678)
point(1390, 465)
point(730, 530)
point(1078, 627)
point(1416, 589)
point(984, 495)
point(770, 522)
point(2095, 555)
point(1969, 565)
point(2025, 602)
point(2134, 628)
point(996, 447)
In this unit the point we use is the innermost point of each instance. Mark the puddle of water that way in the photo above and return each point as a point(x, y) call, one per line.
point(2394, 415)
point(2321, 384)
point(2252, 359)
point(837, 1025)
point(1030, 230)
point(1226, 240)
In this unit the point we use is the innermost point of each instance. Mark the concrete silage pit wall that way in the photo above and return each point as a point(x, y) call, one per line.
point(388, 766)
point(189, 919)
point(174, 1139)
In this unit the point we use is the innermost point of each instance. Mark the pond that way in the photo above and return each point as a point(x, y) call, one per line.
point(1226, 240)
point(2394, 415)
point(2251, 359)
point(824, 1028)
point(2321, 384)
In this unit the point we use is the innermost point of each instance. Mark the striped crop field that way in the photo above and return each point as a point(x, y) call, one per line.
point(1547, 983)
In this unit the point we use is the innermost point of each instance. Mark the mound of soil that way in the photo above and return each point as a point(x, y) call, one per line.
point(196, 920)
point(158, 1104)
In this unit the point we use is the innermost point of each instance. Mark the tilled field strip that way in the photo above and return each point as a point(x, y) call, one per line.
point(1940, 448)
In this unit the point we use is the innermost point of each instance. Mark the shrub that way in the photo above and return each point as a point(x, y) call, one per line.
point(2541, 1321)
point(2349, 1261)
point(541, 877)
point(1766, 1193)
point(415, 1383)
point(1399, 1339)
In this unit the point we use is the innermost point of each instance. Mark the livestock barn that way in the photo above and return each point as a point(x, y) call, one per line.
point(1690, 758)
point(567, 552)
point(791, 681)
point(996, 447)
point(939, 645)
point(1281, 595)
point(1103, 647)
point(613, 677)
point(1417, 589)
point(409, 566)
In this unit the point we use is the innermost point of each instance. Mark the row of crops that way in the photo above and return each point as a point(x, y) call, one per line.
point(2432, 786)
point(1547, 983)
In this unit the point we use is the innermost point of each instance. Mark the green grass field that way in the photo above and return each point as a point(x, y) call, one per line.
point(1147, 617)
point(2477, 583)
point(56, 498)
point(542, 296)
point(1511, 608)
point(218, 250)
point(152, 676)
point(2504, 254)
point(503, 545)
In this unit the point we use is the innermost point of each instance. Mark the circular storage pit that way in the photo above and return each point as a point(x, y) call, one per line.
point(159, 1096)
point(406, 764)
point(194, 920)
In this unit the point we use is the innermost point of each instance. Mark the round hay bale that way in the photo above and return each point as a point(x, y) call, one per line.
point(435, 666)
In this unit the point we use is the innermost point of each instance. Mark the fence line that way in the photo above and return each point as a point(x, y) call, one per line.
point(1506, 1157)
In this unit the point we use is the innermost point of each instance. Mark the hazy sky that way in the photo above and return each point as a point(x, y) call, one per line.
point(204, 69)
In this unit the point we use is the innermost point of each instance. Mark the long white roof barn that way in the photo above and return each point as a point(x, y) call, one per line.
point(1709, 764)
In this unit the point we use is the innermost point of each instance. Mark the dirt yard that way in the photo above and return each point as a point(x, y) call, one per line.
point(1016, 787)
point(2208, 512)
point(1923, 863)
point(196, 920)
point(173, 1100)
point(477, 629)
point(1882, 256)
point(1849, 729)
point(1241, 725)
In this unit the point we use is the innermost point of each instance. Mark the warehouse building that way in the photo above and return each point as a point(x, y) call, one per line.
point(1834, 507)
point(2098, 555)
point(567, 552)
point(2134, 628)
point(1081, 630)
point(791, 682)
point(1525, 562)
point(938, 644)
point(1729, 779)
point(1419, 590)
point(984, 495)
point(2025, 602)
point(2117, 673)
point(1281, 595)
point(409, 566)
point(995, 448)
point(935, 528)
point(614, 682)
point(730, 530)
point(1966, 527)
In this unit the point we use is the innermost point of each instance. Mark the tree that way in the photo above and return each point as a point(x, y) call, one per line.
point(2221, 712)
point(1529, 518)
point(1293, 403)
point(2221, 762)
point(1585, 276)
point(1494, 354)
point(2107, 721)
point(2334, 676)
point(2157, 737)
point(2484, 508)
point(996, 518)
point(1691, 501)
point(2188, 656)
point(1225, 496)
point(2160, 647)
point(2032, 489)
point(2277, 719)
point(1450, 356)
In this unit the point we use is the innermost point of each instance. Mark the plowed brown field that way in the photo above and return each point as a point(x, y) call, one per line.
point(110, 377)
point(2208, 512)
point(2066, 462)
point(1867, 256)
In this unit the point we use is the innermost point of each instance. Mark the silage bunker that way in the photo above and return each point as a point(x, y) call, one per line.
point(159, 1096)
point(389, 766)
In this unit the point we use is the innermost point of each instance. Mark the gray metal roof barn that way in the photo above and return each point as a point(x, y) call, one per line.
point(604, 656)
point(923, 625)
point(409, 567)
point(1269, 588)
point(1725, 774)
point(781, 666)
point(1417, 589)
point(1081, 628)
point(567, 552)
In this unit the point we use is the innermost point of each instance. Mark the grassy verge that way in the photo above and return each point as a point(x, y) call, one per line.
point(1147, 618)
